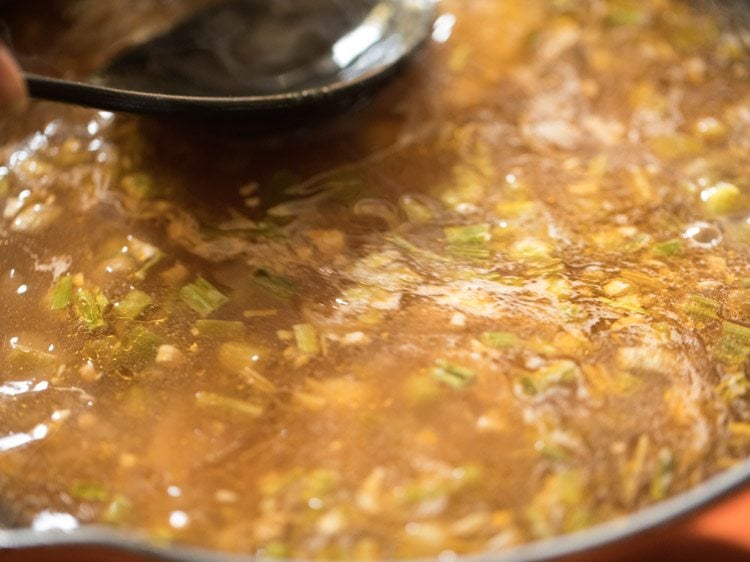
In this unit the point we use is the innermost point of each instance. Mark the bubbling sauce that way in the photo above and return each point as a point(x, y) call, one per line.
point(509, 300)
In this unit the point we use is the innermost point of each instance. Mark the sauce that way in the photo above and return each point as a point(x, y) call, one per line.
point(509, 300)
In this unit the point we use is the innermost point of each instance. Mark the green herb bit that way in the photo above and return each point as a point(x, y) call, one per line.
point(242, 359)
point(118, 510)
point(469, 251)
point(546, 267)
point(501, 340)
point(733, 386)
point(737, 332)
point(669, 248)
point(469, 241)
point(89, 306)
point(228, 405)
point(562, 372)
point(563, 491)
point(662, 480)
point(731, 351)
point(453, 375)
point(221, 329)
point(553, 452)
point(734, 345)
point(474, 234)
point(307, 338)
point(62, 293)
point(278, 285)
point(702, 307)
point(151, 262)
point(89, 491)
point(627, 14)
point(133, 305)
point(202, 297)
point(24, 358)
point(139, 347)
point(277, 550)
point(421, 390)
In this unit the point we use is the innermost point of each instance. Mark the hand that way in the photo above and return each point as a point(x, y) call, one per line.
point(13, 91)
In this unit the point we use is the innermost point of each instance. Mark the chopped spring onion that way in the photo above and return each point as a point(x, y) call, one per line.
point(277, 285)
point(140, 345)
point(477, 234)
point(500, 340)
point(242, 359)
point(631, 481)
point(220, 329)
point(62, 293)
point(202, 297)
point(669, 248)
point(421, 389)
point(469, 251)
point(117, 510)
point(307, 339)
point(560, 372)
point(148, 265)
point(702, 307)
point(22, 358)
point(627, 14)
point(469, 241)
point(662, 480)
point(737, 331)
point(276, 550)
point(734, 345)
point(453, 375)
point(88, 491)
point(133, 305)
point(89, 307)
point(553, 452)
point(228, 405)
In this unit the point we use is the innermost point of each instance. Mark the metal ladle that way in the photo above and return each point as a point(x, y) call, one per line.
point(268, 62)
